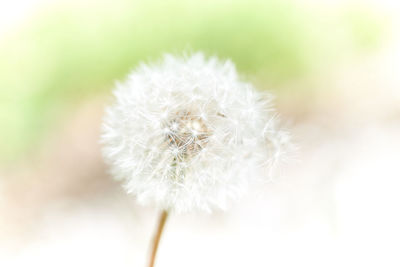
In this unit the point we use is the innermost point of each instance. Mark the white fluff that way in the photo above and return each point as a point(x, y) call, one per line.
point(186, 133)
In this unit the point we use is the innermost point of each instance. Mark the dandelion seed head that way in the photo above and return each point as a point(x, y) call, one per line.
point(187, 133)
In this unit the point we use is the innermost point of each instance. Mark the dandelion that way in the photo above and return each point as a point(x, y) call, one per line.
point(188, 134)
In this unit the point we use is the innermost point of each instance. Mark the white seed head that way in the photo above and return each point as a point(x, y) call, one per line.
point(186, 133)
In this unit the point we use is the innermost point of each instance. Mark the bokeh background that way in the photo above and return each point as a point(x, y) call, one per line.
point(334, 67)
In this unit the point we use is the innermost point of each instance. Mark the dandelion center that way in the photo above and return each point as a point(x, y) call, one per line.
point(187, 134)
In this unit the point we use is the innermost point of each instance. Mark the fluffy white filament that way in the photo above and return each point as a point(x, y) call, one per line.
point(186, 133)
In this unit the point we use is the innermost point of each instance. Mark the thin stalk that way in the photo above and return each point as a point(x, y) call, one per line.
point(161, 223)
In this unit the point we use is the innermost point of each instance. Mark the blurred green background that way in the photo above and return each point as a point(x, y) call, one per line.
point(72, 50)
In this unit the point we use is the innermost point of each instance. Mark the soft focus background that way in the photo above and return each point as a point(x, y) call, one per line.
point(333, 65)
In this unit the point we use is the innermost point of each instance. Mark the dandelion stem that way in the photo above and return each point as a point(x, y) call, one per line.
point(161, 222)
